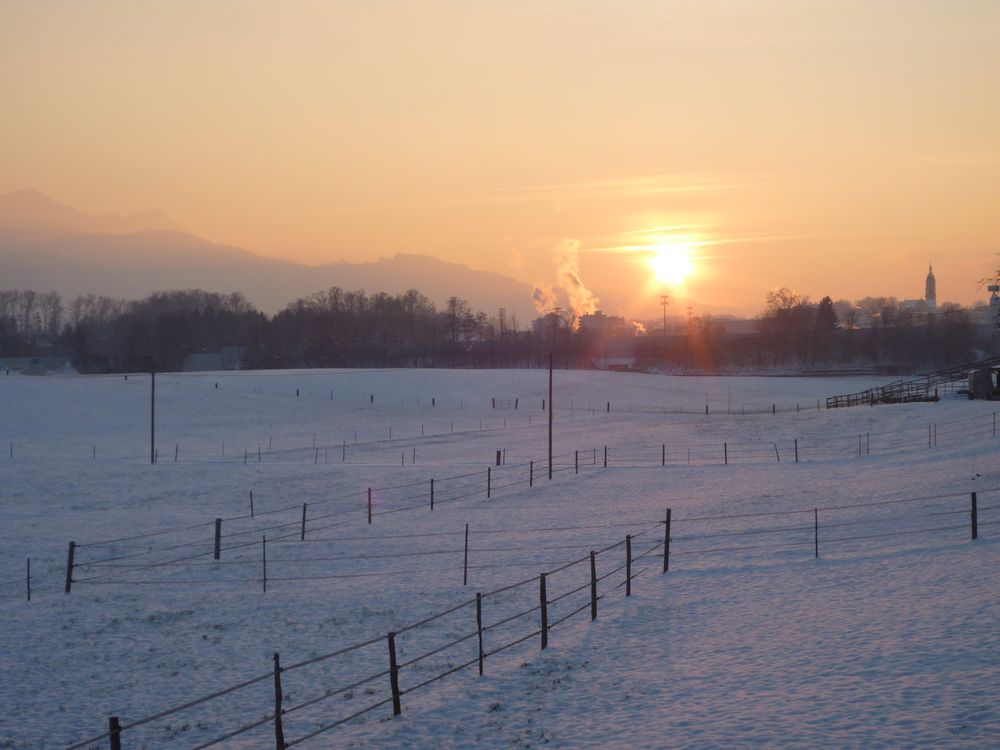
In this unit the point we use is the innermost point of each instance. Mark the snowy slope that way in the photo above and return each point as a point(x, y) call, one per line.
point(888, 639)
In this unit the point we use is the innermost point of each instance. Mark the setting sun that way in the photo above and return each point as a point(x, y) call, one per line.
point(672, 262)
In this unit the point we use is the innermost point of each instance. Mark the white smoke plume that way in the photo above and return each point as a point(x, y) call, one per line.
point(638, 328)
point(567, 257)
point(543, 298)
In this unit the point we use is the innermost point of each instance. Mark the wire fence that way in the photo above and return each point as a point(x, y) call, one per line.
point(210, 541)
point(384, 669)
point(373, 434)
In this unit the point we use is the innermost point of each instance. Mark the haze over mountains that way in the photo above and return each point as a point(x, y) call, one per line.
point(46, 245)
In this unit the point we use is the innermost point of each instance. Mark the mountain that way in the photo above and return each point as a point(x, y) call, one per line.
point(33, 214)
point(45, 245)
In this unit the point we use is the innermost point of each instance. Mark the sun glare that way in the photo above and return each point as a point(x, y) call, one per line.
point(672, 262)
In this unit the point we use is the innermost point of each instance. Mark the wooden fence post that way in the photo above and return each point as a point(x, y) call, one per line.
point(666, 543)
point(816, 532)
point(531, 474)
point(975, 517)
point(279, 729)
point(251, 503)
point(432, 493)
point(302, 536)
point(489, 481)
point(605, 456)
point(576, 462)
point(663, 455)
point(69, 566)
point(115, 730)
point(218, 539)
point(543, 600)
point(725, 453)
point(628, 565)
point(593, 586)
point(776, 453)
point(263, 560)
point(479, 627)
point(397, 709)
point(28, 578)
point(796, 450)
point(369, 505)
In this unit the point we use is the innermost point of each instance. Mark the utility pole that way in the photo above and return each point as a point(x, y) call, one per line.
point(152, 417)
point(664, 300)
point(551, 412)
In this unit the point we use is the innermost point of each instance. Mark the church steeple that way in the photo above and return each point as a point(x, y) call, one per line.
point(930, 289)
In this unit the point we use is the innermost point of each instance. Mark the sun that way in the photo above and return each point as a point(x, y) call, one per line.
point(672, 262)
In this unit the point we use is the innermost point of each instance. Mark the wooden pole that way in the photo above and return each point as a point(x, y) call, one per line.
point(666, 543)
point(796, 450)
point(28, 578)
point(152, 417)
point(465, 560)
point(725, 453)
point(628, 565)
point(576, 462)
point(975, 517)
point(531, 474)
point(432, 494)
point(251, 503)
point(663, 454)
point(69, 566)
point(479, 627)
point(489, 481)
point(397, 709)
point(816, 532)
point(552, 412)
point(115, 730)
point(605, 456)
point(369, 505)
point(544, 602)
point(302, 536)
point(593, 586)
point(279, 729)
point(263, 560)
point(217, 551)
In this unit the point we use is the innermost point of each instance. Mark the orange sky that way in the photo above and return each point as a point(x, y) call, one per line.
point(833, 147)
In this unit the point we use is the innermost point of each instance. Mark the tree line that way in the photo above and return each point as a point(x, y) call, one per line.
point(341, 328)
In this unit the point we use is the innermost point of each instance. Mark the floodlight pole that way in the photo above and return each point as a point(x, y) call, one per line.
point(551, 412)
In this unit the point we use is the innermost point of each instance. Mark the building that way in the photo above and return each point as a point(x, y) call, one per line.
point(930, 290)
point(599, 324)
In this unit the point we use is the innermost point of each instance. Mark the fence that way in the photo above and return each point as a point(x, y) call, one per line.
point(321, 451)
point(477, 629)
point(318, 515)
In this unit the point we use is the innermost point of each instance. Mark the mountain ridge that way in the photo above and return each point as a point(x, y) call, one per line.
point(47, 245)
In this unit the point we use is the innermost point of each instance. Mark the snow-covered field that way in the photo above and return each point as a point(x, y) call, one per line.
point(888, 639)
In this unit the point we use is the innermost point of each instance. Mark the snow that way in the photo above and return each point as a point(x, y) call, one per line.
point(888, 639)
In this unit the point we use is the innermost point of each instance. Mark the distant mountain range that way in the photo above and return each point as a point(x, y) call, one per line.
point(45, 245)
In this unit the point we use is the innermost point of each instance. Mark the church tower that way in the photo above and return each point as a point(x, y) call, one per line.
point(930, 290)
